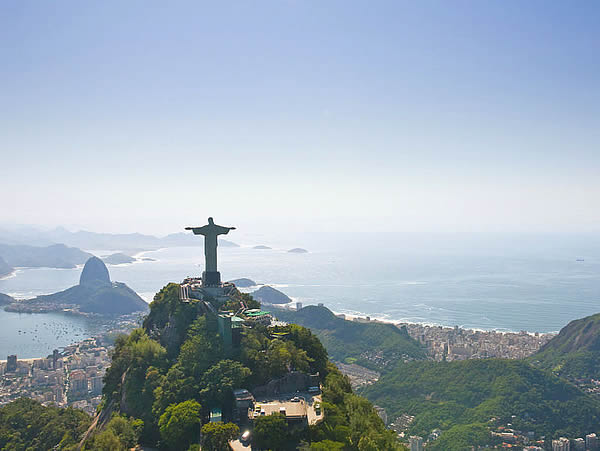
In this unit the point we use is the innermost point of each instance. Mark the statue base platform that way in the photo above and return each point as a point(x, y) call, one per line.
point(211, 279)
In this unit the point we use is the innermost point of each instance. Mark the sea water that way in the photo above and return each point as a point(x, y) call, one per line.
point(491, 282)
point(33, 335)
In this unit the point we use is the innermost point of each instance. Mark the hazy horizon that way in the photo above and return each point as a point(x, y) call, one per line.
point(301, 116)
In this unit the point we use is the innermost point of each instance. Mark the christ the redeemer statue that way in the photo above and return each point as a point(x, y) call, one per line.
point(210, 276)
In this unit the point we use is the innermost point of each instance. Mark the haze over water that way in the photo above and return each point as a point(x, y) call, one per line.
point(500, 282)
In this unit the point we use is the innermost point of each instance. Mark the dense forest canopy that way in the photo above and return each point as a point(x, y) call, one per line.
point(26, 424)
point(450, 394)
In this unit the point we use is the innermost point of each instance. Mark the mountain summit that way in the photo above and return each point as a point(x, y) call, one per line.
point(93, 272)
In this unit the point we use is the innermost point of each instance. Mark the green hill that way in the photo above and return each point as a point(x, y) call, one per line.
point(113, 299)
point(375, 345)
point(575, 352)
point(451, 395)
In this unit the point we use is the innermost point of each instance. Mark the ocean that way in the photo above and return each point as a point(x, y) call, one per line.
point(489, 282)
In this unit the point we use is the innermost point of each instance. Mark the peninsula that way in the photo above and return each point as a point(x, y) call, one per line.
point(94, 294)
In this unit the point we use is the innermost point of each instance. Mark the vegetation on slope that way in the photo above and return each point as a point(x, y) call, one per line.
point(26, 424)
point(449, 394)
point(575, 352)
point(350, 420)
point(375, 345)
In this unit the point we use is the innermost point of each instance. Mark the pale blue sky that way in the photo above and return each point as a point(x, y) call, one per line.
point(146, 115)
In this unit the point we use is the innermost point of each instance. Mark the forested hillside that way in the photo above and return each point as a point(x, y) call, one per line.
point(575, 352)
point(464, 395)
point(375, 345)
point(27, 425)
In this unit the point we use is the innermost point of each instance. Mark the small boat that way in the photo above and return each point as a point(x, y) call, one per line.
point(580, 260)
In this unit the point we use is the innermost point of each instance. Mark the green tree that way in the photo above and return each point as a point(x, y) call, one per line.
point(326, 445)
point(367, 444)
point(220, 380)
point(173, 388)
point(26, 424)
point(180, 424)
point(124, 430)
point(216, 436)
point(106, 440)
point(270, 432)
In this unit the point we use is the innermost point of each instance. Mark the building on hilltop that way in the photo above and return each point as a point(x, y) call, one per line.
point(257, 316)
point(230, 329)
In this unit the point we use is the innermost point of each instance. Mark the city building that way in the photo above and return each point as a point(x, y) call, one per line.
point(258, 316)
point(96, 385)
point(11, 363)
point(579, 444)
point(591, 442)
point(55, 357)
point(78, 383)
point(416, 443)
point(561, 444)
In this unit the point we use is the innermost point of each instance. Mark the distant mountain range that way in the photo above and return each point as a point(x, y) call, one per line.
point(105, 241)
point(59, 248)
point(53, 256)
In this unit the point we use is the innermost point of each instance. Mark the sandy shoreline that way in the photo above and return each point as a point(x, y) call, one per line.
point(373, 319)
point(10, 275)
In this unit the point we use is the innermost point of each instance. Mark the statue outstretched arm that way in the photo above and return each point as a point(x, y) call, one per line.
point(198, 230)
point(224, 230)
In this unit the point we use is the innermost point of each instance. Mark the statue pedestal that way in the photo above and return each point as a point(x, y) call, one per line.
point(211, 279)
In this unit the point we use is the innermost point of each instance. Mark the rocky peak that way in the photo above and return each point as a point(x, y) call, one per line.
point(94, 271)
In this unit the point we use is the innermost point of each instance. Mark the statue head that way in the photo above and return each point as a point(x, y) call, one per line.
point(210, 221)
